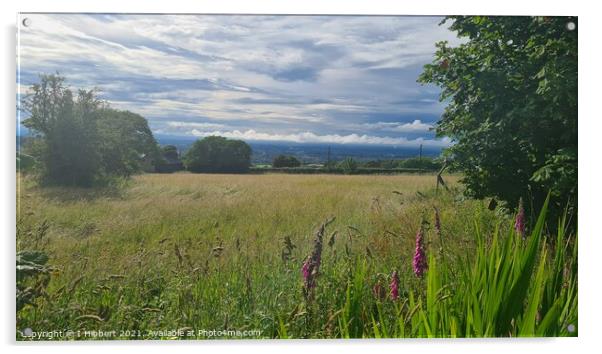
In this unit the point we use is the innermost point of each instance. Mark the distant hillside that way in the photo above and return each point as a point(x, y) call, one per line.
point(264, 152)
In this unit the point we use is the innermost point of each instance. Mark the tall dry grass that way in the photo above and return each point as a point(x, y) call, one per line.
point(225, 251)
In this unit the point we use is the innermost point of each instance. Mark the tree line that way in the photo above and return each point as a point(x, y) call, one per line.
point(79, 140)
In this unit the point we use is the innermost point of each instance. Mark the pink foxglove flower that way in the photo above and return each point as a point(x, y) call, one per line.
point(305, 270)
point(394, 286)
point(419, 262)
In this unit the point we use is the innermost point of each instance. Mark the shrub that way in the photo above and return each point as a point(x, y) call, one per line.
point(216, 154)
point(285, 161)
point(424, 163)
point(25, 163)
point(348, 165)
point(170, 160)
point(386, 164)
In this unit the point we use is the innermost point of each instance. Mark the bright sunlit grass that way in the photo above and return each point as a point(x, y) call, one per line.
point(209, 252)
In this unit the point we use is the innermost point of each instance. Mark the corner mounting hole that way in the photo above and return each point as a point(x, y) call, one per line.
point(571, 26)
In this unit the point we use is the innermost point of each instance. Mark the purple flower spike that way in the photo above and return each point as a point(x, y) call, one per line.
point(311, 266)
point(394, 286)
point(519, 223)
point(419, 261)
point(305, 270)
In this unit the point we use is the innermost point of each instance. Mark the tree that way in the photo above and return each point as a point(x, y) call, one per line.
point(170, 152)
point(285, 161)
point(80, 141)
point(348, 165)
point(170, 160)
point(66, 128)
point(127, 144)
point(511, 90)
point(216, 154)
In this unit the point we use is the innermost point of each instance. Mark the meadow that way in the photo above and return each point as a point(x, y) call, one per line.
point(166, 256)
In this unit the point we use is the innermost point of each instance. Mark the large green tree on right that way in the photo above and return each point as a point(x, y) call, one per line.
point(511, 93)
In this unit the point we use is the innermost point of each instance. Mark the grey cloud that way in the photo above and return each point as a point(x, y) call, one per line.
point(282, 75)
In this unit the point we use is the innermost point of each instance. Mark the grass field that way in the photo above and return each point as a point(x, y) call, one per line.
point(213, 252)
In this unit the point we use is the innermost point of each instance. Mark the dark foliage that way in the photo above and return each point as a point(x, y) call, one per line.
point(127, 144)
point(424, 163)
point(215, 154)
point(79, 141)
point(170, 160)
point(512, 112)
point(348, 165)
point(285, 161)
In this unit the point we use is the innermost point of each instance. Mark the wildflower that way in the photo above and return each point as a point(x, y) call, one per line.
point(419, 262)
point(305, 270)
point(394, 286)
point(311, 266)
point(378, 290)
point(519, 223)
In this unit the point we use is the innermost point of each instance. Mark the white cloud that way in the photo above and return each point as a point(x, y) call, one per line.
point(415, 127)
point(324, 74)
point(309, 137)
point(195, 125)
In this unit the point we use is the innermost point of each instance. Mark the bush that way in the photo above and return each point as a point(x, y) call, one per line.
point(348, 165)
point(385, 164)
point(216, 154)
point(424, 163)
point(25, 163)
point(285, 161)
point(170, 160)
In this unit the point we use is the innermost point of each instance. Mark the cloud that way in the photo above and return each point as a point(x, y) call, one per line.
point(337, 75)
point(309, 137)
point(195, 125)
point(413, 127)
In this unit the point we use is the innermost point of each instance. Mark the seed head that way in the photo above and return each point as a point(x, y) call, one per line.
point(378, 290)
point(311, 266)
point(437, 222)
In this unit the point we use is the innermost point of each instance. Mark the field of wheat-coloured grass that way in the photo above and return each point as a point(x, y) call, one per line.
point(195, 252)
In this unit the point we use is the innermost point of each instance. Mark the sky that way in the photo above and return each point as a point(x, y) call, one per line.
point(301, 79)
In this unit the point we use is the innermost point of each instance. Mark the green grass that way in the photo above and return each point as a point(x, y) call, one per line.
point(186, 251)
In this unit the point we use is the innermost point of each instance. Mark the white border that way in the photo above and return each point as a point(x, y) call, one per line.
point(589, 181)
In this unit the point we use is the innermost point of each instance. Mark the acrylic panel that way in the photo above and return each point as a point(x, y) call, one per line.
point(293, 176)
